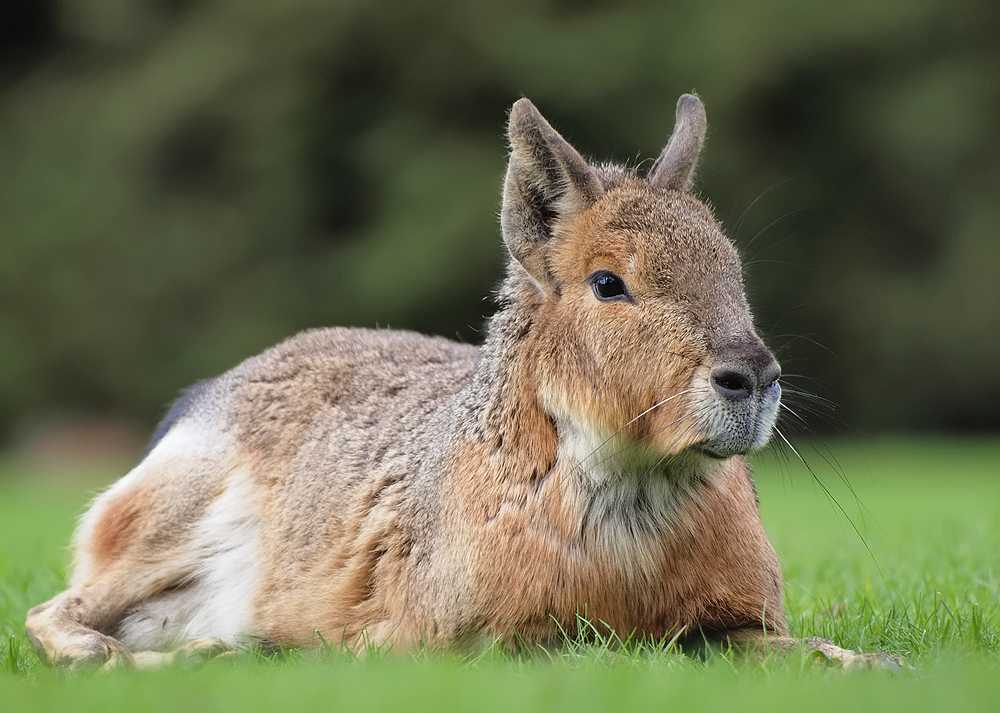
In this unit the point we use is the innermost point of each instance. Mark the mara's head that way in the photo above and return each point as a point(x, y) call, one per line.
point(640, 324)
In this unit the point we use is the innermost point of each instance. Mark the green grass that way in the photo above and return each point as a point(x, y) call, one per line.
point(929, 510)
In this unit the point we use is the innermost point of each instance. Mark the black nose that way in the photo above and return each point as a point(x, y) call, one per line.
point(732, 383)
point(744, 371)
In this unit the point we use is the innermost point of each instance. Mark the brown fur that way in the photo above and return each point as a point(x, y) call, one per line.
point(359, 486)
point(116, 529)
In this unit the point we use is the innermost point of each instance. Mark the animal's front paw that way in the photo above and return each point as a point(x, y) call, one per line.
point(193, 652)
point(854, 660)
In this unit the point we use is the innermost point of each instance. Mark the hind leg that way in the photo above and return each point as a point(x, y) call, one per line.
point(76, 628)
point(138, 540)
point(60, 632)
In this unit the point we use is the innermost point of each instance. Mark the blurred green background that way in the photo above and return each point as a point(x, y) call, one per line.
point(185, 182)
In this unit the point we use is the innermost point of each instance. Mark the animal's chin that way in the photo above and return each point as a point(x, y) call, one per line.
point(727, 445)
point(716, 452)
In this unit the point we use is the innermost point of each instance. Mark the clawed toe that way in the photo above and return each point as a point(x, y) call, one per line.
point(854, 660)
point(95, 651)
point(194, 652)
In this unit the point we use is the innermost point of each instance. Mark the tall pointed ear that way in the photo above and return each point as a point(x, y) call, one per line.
point(547, 179)
point(675, 167)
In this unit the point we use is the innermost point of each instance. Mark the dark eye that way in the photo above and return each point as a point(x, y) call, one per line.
point(608, 286)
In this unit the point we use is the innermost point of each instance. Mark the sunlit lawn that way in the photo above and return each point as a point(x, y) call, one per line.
point(929, 590)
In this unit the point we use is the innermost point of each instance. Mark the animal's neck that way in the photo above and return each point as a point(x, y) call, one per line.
point(633, 492)
point(506, 414)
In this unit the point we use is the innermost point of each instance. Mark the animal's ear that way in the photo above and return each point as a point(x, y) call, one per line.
point(675, 167)
point(547, 179)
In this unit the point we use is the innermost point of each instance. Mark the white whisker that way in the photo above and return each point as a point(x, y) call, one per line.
point(633, 420)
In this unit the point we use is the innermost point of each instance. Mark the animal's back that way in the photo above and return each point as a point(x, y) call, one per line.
point(350, 394)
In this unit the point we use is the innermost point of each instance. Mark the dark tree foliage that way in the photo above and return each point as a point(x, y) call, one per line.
point(185, 182)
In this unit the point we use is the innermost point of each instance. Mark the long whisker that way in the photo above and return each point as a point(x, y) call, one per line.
point(806, 406)
point(833, 499)
point(830, 458)
point(768, 261)
point(810, 395)
point(669, 458)
point(837, 468)
point(792, 411)
point(826, 411)
point(786, 375)
point(611, 455)
point(694, 417)
point(755, 201)
point(633, 420)
point(690, 427)
point(772, 224)
point(782, 451)
point(805, 338)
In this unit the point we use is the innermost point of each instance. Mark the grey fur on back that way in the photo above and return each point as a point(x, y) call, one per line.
point(181, 406)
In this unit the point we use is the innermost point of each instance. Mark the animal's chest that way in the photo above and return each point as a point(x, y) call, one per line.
point(630, 560)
